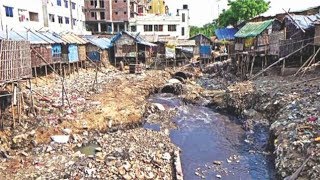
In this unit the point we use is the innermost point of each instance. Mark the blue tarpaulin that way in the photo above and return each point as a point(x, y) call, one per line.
point(205, 51)
point(226, 33)
point(94, 56)
point(73, 53)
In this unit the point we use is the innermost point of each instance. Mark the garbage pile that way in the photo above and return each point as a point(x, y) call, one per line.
point(131, 154)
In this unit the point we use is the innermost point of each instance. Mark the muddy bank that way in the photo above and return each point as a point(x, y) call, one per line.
point(288, 106)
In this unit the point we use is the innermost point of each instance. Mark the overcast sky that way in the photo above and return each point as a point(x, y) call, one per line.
point(204, 11)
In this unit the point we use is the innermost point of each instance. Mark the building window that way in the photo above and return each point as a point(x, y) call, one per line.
point(116, 13)
point(124, 0)
point(34, 16)
point(60, 21)
point(67, 20)
point(91, 3)
point(115, 1)
point(93, 14)
point(183, 17)
point(147, 28)
point(125, 12)
point(182, 31)
point(59, 2)
point(102, 15)
point(172, 28)
point(133, 28)
point(101, 4)
point(74, 21)
point(51, 18)
point(9, 11)
point(73, 5)
point(66, 4)
point(158, 27)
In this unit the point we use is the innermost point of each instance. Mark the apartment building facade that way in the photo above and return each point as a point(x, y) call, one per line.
point(111, 16)
point(55, 15)
point(163, 25)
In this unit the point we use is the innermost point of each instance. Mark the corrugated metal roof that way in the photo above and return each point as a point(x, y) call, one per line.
point(252, 29)
point(29, 35)
point(136, 37)
point(193, 37)
point(103, 43)
point(182, 42)
point(226, 33)
point(72, 39)
point(52, 37)
point(305, 22)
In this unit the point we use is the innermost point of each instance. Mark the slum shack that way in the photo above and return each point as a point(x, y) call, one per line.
point(203, 46)
point(41, 48)
point(224, 42)
point(15, 62)
point(131, 48)
point(299, 31)
point(70, 52)
point(254, 36)
point(181, 51)
point(98, 50)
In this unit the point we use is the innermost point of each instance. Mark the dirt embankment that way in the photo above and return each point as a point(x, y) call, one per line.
point(289, 106)
point(117, 100)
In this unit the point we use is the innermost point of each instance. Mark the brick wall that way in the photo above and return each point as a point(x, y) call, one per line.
point(120, 10)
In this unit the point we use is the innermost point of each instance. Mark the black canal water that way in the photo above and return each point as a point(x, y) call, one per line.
point(215, 145)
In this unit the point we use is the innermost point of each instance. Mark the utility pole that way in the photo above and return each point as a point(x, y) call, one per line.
point(71, 16)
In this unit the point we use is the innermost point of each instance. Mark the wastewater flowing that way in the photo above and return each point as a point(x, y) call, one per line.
point(214, 145)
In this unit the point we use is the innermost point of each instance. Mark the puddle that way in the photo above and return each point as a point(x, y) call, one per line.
point(205, 136)
point(88, 150)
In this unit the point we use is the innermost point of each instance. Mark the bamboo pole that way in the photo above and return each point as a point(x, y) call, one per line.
point(281, 59)
point(305, 63)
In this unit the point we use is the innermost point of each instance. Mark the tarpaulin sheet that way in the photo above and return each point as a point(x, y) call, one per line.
point(205, 51)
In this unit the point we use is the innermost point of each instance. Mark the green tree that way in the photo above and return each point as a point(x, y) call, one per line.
point(207, 29)
point(242, 10)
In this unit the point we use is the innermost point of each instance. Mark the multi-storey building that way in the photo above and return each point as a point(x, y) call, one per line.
point(112, 15)
point(55, 15)
point(163, 25)
point(157, 7)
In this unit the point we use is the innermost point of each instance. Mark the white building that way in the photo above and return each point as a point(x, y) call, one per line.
point(55, 15)
point(163, 25)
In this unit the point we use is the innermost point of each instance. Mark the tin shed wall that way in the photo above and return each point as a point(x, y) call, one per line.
point(82, 52)
point(45, 52)
point(125, 46)
point(73, 55)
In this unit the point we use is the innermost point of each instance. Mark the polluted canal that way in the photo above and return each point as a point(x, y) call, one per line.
point(215, 145)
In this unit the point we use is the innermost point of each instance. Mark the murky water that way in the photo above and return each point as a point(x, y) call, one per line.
point(205, 136)
point(89, 149)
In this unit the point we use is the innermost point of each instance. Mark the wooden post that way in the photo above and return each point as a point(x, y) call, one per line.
point(283, 66)
point(69, 69)
point(12, 104)
point(35, 72)
point(31, 97)
point(252, 64)
point(46, 70)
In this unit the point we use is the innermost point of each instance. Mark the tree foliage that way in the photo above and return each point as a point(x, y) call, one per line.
point(207, 29)
point(242, 10)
